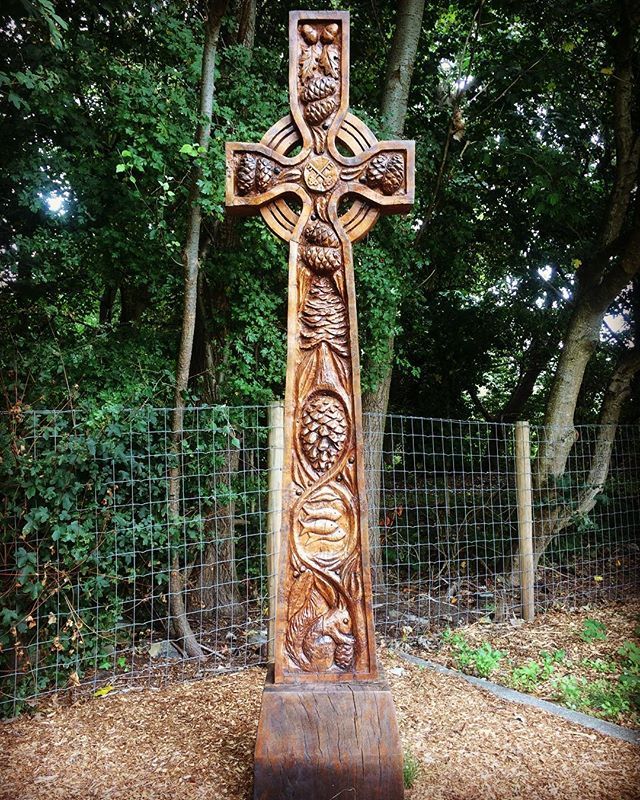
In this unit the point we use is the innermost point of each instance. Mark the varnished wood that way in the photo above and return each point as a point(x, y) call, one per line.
point(324, 621)
point(328, 741)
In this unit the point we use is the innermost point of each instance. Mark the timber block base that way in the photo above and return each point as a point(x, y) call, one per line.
point(328, 741)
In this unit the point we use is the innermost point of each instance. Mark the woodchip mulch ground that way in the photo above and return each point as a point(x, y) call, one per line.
point(195, 741)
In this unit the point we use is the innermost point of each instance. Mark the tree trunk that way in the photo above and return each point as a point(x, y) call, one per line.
point(599, 281)
point(618, 391)
point(601, 278)
point(180, 627)
point(375, 402)
point(218, 574)
point(245, 14)
point(402, 57)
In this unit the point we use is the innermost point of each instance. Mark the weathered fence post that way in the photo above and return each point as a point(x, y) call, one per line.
point(525, 519)
point(274, 513)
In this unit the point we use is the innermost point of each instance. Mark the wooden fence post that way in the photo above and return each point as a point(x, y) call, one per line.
point(274, 512)
point(525, 519)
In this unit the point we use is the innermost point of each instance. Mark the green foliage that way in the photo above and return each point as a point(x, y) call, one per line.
point(481, 661)
point(88, 534)
point(593, 631)
point(410, 769)
point(527, 676)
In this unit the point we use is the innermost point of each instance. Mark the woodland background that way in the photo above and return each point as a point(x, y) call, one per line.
point(510, 292)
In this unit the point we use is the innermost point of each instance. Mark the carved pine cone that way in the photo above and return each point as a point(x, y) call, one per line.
point(343, 656)
point(319, 110)
point(387, 172)
point(324, 431)
point(264, 174)
point(393, 177)
point(246, 173)
point(323, 260)
point(324, 318)
point(318, 89)
point(320, 233)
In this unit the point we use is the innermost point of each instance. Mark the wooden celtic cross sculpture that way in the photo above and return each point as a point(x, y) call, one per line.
point(325, 649)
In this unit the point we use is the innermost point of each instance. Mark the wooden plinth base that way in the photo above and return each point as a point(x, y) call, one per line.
point(328, 742)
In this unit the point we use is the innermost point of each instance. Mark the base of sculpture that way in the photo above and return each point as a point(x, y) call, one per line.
point(319, 741)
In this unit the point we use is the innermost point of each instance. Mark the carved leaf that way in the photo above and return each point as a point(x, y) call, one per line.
point(351, 173)
point(319, 139)
point(326, 590)
point(321, 208)
point(308, 63)
point(330, 60)
point(300, 592)
point(289, 175)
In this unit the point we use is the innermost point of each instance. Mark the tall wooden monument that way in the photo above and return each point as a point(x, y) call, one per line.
point(327, 726)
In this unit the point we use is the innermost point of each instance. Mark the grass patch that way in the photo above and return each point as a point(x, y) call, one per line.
point(410, 769)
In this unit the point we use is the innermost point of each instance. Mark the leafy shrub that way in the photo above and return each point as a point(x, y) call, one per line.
point(593, 630)
point(87, 535)
point(481, 661)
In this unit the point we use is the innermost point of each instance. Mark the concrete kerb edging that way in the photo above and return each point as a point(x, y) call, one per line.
point(607, 728)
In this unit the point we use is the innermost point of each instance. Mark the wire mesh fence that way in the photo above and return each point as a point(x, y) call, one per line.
point(123, 560)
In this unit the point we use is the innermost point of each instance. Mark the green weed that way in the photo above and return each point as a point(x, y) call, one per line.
point(410, 769)
point(593, 630)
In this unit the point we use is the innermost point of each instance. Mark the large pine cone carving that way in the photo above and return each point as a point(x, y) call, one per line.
point(319, 110)
point(321, 234)
point(265, 171)
point(318, 89)
point(246, 173)
point(324, 318)
point(324, 430)
point(323, 260)
point(386, 172)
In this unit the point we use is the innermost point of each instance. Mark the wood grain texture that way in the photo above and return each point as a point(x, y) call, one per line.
point(323, 620)
point(322, 741)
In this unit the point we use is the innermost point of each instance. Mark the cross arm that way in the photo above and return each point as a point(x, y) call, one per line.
point(384, 176)
point(257, 175)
